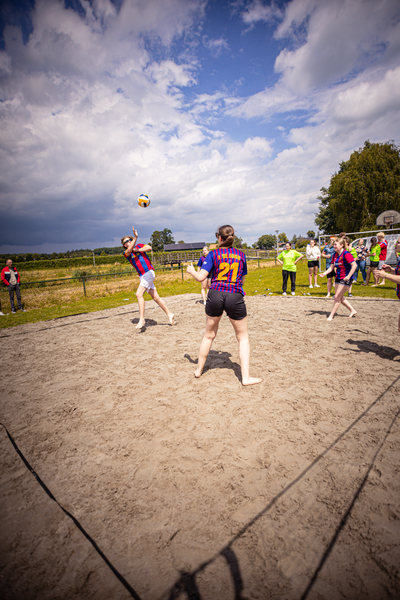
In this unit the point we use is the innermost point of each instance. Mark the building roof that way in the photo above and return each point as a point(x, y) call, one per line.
point(192, 246)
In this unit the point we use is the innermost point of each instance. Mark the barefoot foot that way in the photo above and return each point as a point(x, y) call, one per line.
point(197, 374)
point(352, 314)
point(171, 318)
point(251, 381)
point(140, 324)
point(330, 319)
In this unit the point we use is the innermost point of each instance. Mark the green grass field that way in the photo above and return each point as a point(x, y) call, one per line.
point(68, 299)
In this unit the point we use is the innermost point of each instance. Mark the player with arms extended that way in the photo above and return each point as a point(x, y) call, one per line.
point(136, 254)
point(227, 266)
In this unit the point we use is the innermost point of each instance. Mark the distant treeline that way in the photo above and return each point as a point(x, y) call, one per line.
point(35, 256)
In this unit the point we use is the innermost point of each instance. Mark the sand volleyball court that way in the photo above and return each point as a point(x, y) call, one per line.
point(170, 487)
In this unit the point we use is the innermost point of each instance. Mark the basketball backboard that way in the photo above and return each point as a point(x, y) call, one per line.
point(388, 218)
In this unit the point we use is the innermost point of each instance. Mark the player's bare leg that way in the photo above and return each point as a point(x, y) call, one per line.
point(242, 336)
point(154, 294)
point(349, 307)
point(139, 295)
point(206, 343)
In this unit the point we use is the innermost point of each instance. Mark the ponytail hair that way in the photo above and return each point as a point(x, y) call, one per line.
point(227, 234)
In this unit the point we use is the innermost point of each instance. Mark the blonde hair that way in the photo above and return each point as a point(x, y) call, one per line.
point(380, 234)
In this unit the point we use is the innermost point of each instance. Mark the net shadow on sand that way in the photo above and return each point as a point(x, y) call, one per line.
point(187, 582)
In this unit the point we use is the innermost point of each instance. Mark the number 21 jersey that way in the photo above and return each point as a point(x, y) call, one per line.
point(227, 266)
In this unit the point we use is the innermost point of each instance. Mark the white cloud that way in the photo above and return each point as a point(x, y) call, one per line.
point(340, 37)
point(215, 46)
point(90, 119)
point(257, 11)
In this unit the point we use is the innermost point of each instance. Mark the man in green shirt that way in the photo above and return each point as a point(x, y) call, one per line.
point(289, 259)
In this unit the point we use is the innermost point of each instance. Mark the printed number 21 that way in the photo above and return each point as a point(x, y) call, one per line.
point(224, 270)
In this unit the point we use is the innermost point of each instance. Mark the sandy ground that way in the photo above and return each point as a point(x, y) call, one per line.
point(203, 489)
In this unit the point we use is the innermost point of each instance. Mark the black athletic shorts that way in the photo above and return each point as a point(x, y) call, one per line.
point(313, 263)
point(343, 282)
point(331, 274)
point(232, 304)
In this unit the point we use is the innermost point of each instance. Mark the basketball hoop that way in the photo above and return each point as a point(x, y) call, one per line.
point(388, 218)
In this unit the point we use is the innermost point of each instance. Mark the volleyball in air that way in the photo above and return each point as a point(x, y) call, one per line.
point(143, 200)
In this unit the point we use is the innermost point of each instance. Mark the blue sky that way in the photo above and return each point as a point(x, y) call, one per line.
point(221, 111)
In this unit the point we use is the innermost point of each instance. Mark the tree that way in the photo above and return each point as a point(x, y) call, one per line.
point(238, 243)
point(282, 237)
point(159, 238)
point(181, 242)
point(366, 185)
point(311, 234)
point(266, 241)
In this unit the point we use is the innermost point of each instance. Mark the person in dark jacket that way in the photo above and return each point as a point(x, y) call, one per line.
point(10, 277)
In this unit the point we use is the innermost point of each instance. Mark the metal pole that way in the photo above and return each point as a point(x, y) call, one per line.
point(182, 271)
point(94, 264)
point(84, 286)
point(276, 255)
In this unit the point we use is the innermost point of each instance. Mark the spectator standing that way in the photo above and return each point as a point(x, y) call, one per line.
point(205, 285)
point(313, 254)
point(327, 253)
point(374, 251)
point(361, 250)
point(353, 252)
point(289, 259)
point(10, 277)
point(383, 253)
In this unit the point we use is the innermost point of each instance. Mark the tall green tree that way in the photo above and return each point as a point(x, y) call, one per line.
point(282, 237)
point(366, 185)
point(159, 238)
point(311, 234)
point(266, 241)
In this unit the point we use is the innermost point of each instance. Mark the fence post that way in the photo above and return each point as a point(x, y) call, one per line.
point(84, 286)
point(258, 262)
point(182, 271)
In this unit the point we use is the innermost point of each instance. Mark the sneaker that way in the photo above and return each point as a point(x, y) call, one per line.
point(293, 293)
point(310, 286)
point(284, 293)
point(2, 314)
point(23, 310)
point(13, 312)
point(316, 285)
point(350, 295)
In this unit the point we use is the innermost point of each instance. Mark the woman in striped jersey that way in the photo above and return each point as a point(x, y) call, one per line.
point(136, 254)
point(227, 267)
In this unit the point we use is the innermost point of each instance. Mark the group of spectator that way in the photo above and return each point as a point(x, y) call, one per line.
point(377, 254)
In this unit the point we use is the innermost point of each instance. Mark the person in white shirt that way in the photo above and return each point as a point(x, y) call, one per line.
point(312, 255)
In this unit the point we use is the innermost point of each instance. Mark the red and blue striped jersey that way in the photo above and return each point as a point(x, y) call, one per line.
point(398, 285)
point(342, 263)
point(383, 244)
point(140, 261)
point(227, 266)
